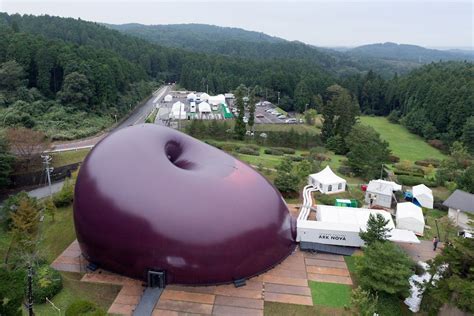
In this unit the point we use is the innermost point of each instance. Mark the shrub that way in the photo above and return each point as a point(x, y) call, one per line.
point(388, 305)
point(322, 157)
point(84, 308)
point(66, 195)
point(438, 144)
point(272, 151)
point(229, 147)
point(393, 158)
point(414, 180)
point(248, 151)
point(394, 116)
point(12, 285)
point(295, 158)
point(254, 147)
point(46, 283)
point(326, 199)
point(426, 162)
point(285, 150)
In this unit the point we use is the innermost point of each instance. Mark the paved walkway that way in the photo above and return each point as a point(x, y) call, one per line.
point(422, 251)
point(285, 283)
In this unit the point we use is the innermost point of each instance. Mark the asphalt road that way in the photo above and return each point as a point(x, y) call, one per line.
point(138, 116)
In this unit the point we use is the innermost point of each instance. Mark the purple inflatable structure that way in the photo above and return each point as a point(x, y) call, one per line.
point(151, 198)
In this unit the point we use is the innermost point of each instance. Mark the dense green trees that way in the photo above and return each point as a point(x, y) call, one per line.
point(367, 151)
point(339, 114)
point(6, 162)
point(455, 267)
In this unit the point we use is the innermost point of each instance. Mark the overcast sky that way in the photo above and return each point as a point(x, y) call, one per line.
point(323, 23)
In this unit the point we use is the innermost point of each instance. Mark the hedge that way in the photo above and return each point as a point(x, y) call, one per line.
point(295, 158)
point(248, 151)
point(273, 151)
point(84, 308)
point(426, 162)
point(66, 195)
point(46, 284)
point(285, 150)
point(413, 180)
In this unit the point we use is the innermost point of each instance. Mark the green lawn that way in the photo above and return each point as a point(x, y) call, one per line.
point(69, 157)
point(403, 144)
point(330, 294)
point(299, 128)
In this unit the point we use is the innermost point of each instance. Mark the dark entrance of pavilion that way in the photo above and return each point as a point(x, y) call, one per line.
point(156, 279)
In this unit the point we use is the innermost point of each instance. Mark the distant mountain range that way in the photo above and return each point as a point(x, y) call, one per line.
point(387, 58)
point(407, 52)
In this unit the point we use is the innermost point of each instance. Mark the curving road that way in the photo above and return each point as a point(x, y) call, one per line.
point(138, 116)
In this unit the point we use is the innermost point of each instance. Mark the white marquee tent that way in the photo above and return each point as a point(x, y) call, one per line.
point(216, 99)
point(423, 195)
point(191, 97)
point(177, 111)
point(204, 96)
point(410, 217)
point(168, 98)
point(204, 107)
point(327, 181)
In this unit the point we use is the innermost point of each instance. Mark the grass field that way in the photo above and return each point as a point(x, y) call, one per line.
point(403, 144)
point(330, 294)
point(69, 157)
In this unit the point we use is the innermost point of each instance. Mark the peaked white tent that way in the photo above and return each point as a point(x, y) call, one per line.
point(423, 195)
point(168, 98)
point(204, 96)
point(410, 217)
point(327, 181)
point(204, 107)
point(191, 97)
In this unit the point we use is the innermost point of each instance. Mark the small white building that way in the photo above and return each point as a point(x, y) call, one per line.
point(192, 107)
point(410, 217)
point(326, 181)
point(340, 226)
point(168, 98)
point(461, 208)
point(177, 111)
point(204, 107)
point(423, 195)
point(380, 192)
point(229, 96)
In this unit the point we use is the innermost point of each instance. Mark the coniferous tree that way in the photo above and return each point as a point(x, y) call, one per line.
point(239, 128)
point(377, 230)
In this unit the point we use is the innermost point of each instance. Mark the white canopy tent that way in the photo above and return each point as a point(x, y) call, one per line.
point(327, 181)
point(191, 97)
point(204, 96)
point(423, 195)
point(168, 98)
point(395, 186)
point(177, 111)
point(216, 99)
point(410, 217)
point(204, 107)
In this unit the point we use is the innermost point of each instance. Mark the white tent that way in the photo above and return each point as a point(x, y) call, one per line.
point(204, 107)
point(204, 96)
point(216, 99)
point(168, 98)
point(395, 186)
point(410, 217)
point(327, 181)
point(191, 97)
point(423, 195)
point(177, 111)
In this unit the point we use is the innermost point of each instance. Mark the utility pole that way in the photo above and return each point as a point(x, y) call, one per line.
point(47, 159)
point(278, 98)
point(29, 304)
point(381, 172)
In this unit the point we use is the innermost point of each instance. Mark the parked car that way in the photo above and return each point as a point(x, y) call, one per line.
point(259, 115)
point(281, 116)
point(291, 121)
point(246, 120)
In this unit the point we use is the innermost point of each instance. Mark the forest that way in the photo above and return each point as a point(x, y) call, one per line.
point(70, 78)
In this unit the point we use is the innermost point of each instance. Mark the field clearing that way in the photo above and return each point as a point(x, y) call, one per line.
point(69, 157)
point(403, 144)
point(299, 128)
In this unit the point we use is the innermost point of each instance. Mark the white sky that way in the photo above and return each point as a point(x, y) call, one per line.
point(323, 23)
